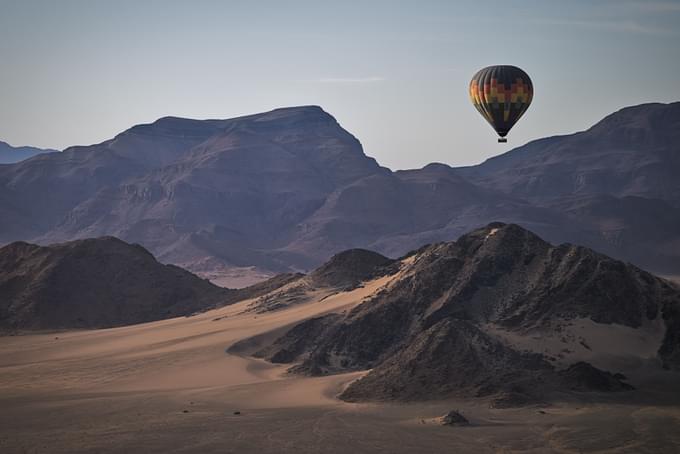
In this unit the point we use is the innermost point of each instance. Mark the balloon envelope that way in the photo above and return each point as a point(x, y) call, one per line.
point(501, 94)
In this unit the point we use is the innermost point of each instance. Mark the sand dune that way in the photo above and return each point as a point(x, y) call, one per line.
point(180, 353)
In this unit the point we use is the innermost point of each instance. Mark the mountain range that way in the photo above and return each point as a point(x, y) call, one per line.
point(285, 190)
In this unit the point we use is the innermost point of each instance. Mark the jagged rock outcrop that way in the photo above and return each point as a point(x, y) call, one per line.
point(454, 418)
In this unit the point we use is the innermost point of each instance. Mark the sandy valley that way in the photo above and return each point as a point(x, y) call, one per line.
point(171, 385)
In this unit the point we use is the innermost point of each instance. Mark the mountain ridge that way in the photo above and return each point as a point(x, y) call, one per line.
point(285, 190)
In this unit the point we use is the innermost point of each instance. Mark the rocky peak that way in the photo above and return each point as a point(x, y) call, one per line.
point(349, 268)
point(645, 124)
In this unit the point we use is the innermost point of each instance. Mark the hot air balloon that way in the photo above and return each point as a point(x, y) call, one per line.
point(501, 94)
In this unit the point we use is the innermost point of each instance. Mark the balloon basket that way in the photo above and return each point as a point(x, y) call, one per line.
point(502, 140)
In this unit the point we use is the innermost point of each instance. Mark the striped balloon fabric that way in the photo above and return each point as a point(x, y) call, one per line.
point(501, 94)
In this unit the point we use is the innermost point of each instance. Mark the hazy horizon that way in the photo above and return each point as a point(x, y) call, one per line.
point(394, 74)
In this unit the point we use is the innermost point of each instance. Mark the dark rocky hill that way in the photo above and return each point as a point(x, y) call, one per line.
point(101, 282)
point(434, 331)
point(349, 268)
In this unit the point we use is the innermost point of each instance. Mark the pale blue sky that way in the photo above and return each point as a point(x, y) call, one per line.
point(394, 73)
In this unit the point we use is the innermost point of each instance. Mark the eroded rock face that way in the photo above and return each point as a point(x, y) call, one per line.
point(425, 336)
point(453, 357)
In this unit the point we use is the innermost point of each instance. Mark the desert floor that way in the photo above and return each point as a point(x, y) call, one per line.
point(170, 386)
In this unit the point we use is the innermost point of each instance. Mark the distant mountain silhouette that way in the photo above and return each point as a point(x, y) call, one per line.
point(285, 190)
point(10, 154)
point(499, 312)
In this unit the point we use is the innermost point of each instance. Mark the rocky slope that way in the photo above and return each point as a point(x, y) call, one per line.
point(287, 189)
point(98, 283)
point(498, 312)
